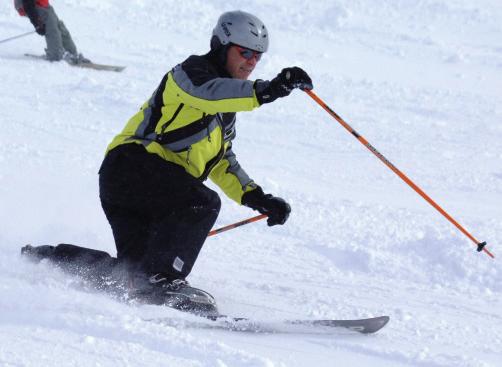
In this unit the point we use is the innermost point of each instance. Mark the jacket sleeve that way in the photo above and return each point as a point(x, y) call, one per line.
point(230, 177)
point(197, 86)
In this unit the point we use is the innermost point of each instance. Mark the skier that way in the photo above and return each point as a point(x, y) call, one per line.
point(59, 42)
point(152, 177)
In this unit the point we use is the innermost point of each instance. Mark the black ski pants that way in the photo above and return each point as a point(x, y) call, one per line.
point(159, 214)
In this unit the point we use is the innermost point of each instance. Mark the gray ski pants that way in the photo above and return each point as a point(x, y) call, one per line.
point(57, 36)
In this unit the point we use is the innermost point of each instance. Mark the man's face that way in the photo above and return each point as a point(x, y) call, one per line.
point(241, 62)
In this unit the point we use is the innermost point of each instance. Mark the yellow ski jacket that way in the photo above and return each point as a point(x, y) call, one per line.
point(190, 121)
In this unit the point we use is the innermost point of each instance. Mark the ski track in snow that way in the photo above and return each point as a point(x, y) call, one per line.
point(421, 81)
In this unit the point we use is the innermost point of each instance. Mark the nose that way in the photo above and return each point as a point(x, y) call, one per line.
point(252, 61)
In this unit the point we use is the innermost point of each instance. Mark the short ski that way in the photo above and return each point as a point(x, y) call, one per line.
point(242, 324)
point(86, 65)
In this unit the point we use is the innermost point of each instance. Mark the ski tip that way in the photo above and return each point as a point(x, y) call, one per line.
point(384, 320)
point(364, 326)
point(376, 324)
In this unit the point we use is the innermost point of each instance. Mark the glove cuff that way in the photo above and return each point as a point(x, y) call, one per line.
point(253, 199)
point(263, 91)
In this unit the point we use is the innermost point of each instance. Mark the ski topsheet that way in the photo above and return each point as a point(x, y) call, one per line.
point(86, 65)
point(242, 324)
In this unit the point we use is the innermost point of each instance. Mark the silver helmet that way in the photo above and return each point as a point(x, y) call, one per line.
point(243, 29)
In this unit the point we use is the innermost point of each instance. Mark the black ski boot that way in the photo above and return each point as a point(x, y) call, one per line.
point(37, 253)
point(161, 290)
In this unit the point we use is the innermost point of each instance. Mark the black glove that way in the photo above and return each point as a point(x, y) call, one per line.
point(40, 27)
point(282, 85)
point(35, 18)
point(275, 208)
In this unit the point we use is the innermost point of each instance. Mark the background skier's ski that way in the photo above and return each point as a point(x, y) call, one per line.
point(86, 65)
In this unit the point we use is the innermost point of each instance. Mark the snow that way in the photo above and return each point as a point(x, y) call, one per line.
point(421, 81)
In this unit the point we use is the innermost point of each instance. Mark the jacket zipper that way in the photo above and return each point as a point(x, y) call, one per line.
point(206, 172)
point(188, 154)
point(207, 128)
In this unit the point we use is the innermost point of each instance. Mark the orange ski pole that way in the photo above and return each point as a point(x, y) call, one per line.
point(238, 224)
point(481, 246)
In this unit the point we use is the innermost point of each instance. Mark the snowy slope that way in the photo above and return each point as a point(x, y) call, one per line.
point(421, 81)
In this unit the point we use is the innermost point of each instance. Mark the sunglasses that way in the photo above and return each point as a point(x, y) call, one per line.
point(249, 54)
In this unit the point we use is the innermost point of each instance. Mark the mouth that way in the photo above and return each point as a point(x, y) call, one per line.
point(246, 70)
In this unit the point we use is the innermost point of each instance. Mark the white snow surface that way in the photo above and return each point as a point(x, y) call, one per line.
point(420, 80)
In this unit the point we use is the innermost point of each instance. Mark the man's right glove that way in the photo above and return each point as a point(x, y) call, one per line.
point(275, 208)
point(282, 85)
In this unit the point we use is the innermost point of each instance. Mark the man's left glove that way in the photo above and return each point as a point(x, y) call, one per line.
point(275, 208)
point(39, 26)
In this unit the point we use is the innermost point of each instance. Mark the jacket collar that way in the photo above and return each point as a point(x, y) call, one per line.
point(217, 58)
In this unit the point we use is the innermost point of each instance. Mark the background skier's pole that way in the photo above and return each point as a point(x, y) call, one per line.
point(480, 245)
point(238, 224)
point(19, 36)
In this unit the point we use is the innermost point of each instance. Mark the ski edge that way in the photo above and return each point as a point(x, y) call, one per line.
point(244, 324)
point(364, 326)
